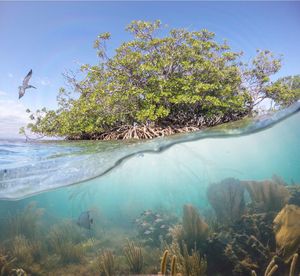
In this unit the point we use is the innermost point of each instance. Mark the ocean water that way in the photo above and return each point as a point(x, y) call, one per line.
point(72, 207)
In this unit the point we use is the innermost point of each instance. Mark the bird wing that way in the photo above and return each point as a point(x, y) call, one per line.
point(21, 91)
point(27, 78)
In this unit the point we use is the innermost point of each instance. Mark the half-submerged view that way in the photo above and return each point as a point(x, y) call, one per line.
point(165, 150)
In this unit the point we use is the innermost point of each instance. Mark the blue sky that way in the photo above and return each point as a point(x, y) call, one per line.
point(51, 37)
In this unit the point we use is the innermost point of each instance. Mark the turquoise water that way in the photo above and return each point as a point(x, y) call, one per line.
point(159, 176)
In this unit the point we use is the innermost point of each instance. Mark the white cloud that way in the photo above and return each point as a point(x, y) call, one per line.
point(12, 116)
point(44, 81)
point(2, 93)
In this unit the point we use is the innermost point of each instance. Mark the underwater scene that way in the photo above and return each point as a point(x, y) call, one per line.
point(222, 201)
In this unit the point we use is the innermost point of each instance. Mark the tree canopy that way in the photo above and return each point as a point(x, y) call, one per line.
point(181, 81)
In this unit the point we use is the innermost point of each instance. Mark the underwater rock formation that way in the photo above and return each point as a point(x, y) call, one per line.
point(227, 199)
point(287, 230)
point(195, 229)
point(258, 225)
point(235, 254)
point(268, 195)
point(246, 245)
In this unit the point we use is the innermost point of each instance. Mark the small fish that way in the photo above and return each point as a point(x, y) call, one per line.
point(85, 220)
point(147, 232)
point(163, 226)
point(144, 224)
point(158, 220)
point(147, 213)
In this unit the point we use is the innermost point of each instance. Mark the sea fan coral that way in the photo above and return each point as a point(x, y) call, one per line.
point(195, 230)
point(227, 199)
point(268, 195)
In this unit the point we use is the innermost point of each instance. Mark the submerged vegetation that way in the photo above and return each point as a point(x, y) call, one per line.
point(158, 85)
point(258, 239)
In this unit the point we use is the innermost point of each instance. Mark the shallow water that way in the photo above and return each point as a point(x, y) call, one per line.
point(136, 191)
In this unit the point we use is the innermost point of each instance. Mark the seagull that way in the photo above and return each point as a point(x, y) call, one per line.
point(25, 85)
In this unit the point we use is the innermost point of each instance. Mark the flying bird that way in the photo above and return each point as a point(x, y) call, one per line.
point(25, 85)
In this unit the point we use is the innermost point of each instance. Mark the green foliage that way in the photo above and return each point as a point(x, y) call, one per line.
point(286, 90)
point(172, 79)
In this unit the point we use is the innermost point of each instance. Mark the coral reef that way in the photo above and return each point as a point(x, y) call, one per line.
point(163, 264)
point(22, 250)
point(182, 262)
point(268, 195)
point(227, 199)
point(195, 229)
point(234, 239)
point(5, 263)
point(66, 240)
point(18, 272)
point(24, 222)
point(294, 194)
point(278, 267)
point(229, 253)
point(257, 225)
point(286, 228)
point(134, 257)
point(107, 263)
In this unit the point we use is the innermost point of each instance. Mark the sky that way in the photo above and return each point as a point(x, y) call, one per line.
point(52, 37)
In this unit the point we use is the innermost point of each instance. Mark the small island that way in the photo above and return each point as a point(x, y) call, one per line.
point(160, 84)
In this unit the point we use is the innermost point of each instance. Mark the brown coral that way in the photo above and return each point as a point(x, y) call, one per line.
point(227, 199)
point(195, 229)
point(186, 264)
point(267, 195)
point(107, 263)
point(134, 257)
point(286, 228)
